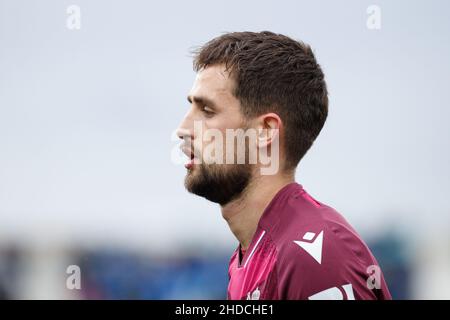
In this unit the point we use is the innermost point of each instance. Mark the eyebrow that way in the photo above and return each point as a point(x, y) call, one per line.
point(201, 101)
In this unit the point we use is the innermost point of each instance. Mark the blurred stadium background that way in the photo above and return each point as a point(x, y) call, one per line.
point(86, 118)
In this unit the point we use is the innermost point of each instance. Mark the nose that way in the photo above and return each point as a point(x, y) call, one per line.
point(183, 133)
point(185, 130)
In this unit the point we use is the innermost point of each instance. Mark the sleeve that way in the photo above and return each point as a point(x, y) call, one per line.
point(328, 264)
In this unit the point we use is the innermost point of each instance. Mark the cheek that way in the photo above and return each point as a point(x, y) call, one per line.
point(229, 122)
point(216, 128)
point(212, 128)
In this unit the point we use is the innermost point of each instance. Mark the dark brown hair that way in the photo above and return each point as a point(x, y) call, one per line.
point(273, 73)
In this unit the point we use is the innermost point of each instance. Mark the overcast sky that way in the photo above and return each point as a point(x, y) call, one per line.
point(86, 116)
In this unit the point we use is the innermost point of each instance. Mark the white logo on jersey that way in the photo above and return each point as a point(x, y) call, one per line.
point(254, 295)
point(334, 293)
point(314, 248)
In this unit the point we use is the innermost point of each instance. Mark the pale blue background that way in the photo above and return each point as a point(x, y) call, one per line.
point(86, 117)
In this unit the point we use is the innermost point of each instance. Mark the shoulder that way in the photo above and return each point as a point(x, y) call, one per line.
point(307, 223)
point(323, 236)
point(318, 249)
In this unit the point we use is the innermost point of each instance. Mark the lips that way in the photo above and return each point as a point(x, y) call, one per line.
point(190, 154)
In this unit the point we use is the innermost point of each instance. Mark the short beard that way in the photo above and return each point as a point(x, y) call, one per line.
point(219, 183)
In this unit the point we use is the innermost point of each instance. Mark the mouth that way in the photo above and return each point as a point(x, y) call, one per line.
point(191, 157)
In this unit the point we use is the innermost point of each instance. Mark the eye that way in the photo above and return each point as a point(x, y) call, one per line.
point(207, 111)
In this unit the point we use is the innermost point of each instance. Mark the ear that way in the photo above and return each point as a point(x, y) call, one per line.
point(269, 126)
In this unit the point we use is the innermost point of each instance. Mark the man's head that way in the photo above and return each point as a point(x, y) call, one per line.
point(254, 81)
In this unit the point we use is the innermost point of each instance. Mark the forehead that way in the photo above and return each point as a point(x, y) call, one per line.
point(214, 82)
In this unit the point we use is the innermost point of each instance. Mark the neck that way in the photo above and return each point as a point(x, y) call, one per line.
point(244, 213)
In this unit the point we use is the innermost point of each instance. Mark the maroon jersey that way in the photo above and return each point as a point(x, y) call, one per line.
point(303, 249)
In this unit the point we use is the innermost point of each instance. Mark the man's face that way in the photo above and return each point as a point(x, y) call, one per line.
point(213, 108)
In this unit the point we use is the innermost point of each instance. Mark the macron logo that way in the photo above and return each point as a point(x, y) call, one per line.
point(314, 248)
